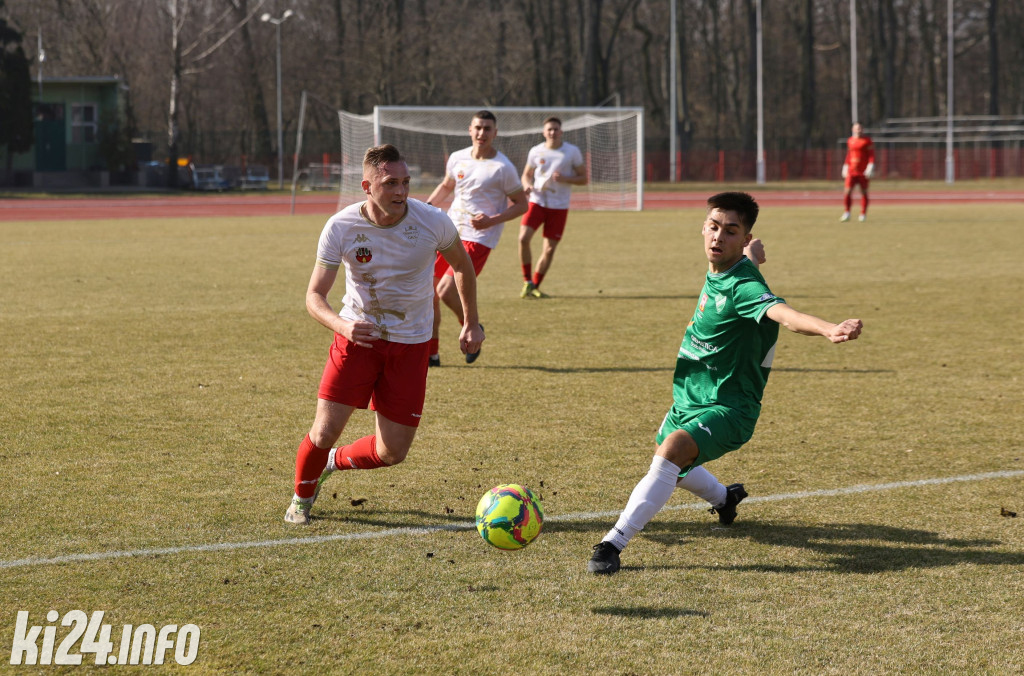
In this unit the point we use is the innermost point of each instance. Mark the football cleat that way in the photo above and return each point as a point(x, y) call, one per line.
point(537, 293)
point(862, 218)
point(734, 495)
point(527, 291)
point(434, 360)
point(845, 217)
point(320, 482)
point(605, 560)
point(298, 513)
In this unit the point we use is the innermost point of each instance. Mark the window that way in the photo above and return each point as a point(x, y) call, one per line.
point(83, 123)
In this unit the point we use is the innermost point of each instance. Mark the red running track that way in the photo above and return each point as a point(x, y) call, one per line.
point(186, 206)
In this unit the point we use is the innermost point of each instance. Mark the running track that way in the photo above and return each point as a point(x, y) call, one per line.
point(190, 205)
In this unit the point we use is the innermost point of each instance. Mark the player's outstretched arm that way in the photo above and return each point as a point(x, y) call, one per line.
point(809, 325)
point(465, 283)
point(441, 192)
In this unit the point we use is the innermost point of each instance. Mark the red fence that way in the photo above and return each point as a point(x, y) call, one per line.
point(918, 163)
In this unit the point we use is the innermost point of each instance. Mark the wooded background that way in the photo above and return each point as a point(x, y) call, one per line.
point(200, 74)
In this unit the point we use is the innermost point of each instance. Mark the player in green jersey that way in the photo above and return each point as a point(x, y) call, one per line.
point(721, 370)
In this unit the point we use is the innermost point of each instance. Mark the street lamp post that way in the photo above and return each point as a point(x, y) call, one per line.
point(280, 137)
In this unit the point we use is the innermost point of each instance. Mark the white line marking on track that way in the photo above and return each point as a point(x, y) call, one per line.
point(426, 530)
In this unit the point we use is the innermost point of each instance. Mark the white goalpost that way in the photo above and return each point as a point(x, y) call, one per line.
point(610, 139)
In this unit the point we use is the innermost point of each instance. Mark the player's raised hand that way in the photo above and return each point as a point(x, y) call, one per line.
point(755, 251)
point(845, 331)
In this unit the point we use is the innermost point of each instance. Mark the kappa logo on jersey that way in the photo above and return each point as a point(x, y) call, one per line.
point(361, 238)
point(767, 296)
point(363, 254)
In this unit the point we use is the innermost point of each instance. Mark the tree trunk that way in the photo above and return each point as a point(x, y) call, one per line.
point(172, 104)
point(259, 122)
point(993, 57)
point(591, 52)
point(340, 100)
point(807, 88)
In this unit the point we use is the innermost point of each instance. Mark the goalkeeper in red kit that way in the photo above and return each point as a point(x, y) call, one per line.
point(858, 168)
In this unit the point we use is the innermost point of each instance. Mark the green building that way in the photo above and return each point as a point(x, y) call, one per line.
point(75, 120)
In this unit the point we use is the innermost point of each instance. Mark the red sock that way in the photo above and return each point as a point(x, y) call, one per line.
point(847, 202)
point(864, 203)
point(360, 454)
point(434, 345)
point(538, 277)
point(526, 272)
point(310, 462)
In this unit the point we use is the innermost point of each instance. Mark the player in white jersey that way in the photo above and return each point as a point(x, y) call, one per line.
point(552, 168)
point(483, 182)
point(387, 246)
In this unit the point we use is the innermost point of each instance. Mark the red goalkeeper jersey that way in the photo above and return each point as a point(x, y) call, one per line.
point(859, 154)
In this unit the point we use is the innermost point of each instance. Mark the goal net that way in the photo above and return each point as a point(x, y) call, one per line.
point(610, 140)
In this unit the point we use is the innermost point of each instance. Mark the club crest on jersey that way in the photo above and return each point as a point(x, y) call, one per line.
point(411, 233)
point(363, 254)
point(719, 302)
point(461, 175)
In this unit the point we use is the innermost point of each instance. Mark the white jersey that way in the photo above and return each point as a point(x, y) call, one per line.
point(481, 187)
point(566, 160)
point(389, 271)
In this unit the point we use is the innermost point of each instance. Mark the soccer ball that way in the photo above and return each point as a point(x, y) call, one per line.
point(509, 516)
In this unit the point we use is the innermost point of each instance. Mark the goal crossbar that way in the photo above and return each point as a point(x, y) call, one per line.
point(610, 140)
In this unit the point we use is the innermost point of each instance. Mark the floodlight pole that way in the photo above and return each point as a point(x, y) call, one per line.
point(853, 62)
point(760, 102)
point(673, 45)
point(950, 168)
point(41, 56)
point(280, 134)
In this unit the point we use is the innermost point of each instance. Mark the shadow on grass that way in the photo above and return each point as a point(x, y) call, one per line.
point(583, 369)
point(647, 613)
point(840, 548)
point(612, 296)
point(340, 511)
point(844, 548)
point(780, 369)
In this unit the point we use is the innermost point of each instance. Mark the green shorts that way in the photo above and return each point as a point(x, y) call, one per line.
point(716, 429)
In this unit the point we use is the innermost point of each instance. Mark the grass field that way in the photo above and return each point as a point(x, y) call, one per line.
point(158, 376)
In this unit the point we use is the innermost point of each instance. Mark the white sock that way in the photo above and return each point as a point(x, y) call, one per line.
point(647, 499)
point(703, 484)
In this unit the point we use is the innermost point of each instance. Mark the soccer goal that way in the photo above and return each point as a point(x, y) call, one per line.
point(610, 139)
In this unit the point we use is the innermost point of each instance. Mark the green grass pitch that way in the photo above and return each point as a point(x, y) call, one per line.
point(158, 376)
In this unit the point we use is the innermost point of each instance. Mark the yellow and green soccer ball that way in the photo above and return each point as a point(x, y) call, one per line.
point(509, 516)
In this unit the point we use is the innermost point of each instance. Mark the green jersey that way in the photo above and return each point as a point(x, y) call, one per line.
point(729, 344)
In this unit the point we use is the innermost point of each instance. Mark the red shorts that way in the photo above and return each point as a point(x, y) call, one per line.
point(553, 220)
point(478, 253)
point(857, 179)
point(391, 377)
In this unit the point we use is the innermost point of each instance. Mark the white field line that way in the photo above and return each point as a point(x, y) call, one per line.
point(426, 530)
